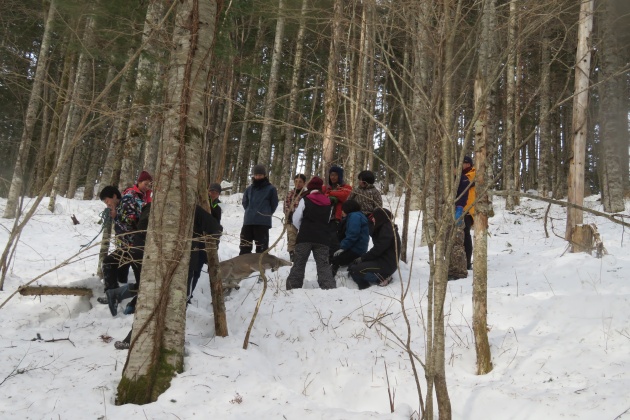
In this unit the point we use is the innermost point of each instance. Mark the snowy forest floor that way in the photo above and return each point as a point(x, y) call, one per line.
point(559, 328)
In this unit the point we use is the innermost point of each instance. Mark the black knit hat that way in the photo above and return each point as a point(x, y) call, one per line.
point(215, 187)
point(260, 170)
point(367, 176)
point(350, 206)
point(468, 159)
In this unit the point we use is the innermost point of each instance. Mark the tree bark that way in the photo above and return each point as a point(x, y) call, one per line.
point(157, 343)
point(111, 169)
point(30, 119)
point(579, 123)
point(484, 107)
point(137, 134)
point(71, 135)
point(509, 153)
point(544, 180)
point(331, 99)
point(272, 90)
point(614, 116)
point(293, 115)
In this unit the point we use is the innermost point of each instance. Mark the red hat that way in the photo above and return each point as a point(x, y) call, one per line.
point(144, 175)
point(315, 183)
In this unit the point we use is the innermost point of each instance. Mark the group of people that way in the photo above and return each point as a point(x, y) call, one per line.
point(331, 220)
point(129, 212)
point(334, 222)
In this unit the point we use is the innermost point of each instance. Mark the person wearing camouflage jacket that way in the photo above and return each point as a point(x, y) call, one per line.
point(366, 194)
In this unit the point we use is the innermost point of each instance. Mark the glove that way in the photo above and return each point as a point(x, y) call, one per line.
point(333, 200)
point(338, 252)
point(357, 260)
point(459, 211)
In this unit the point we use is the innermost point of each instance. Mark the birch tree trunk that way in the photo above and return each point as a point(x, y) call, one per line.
point(579, 125)
point(137, 133)
point(293, 116)
point(156, 119)
point(272, 90)
point(30, 119)
point(157, 342)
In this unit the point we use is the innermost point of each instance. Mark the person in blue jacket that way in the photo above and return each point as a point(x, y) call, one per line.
point(260, 201)
point(354, 235)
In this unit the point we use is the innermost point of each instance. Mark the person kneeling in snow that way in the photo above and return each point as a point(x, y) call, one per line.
point(378, 264)
point(354, 235)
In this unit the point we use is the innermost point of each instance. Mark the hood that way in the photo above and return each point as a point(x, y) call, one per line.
point(381, 216)
point(318, 198)
point(339, 172)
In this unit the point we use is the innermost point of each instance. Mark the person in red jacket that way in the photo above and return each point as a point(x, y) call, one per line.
point(337, 192)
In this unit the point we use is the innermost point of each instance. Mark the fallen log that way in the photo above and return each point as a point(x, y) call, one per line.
point(55, 290)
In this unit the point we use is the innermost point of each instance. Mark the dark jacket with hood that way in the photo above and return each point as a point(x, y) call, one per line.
point(313, 213)
point(340, 191)
point(385, 251)
point(260, 201)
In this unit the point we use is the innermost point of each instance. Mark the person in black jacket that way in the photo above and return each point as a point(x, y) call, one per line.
point(378, 264)
point(203, 226)
point(311, 220)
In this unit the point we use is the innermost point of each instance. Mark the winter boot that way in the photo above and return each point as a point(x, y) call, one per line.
point(115, 296)
point(122, 345)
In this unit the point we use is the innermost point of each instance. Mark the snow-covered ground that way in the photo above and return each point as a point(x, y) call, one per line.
point(559, 333)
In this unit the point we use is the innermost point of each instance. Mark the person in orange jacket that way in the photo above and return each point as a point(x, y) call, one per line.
point(338, 192)
point(469, 209)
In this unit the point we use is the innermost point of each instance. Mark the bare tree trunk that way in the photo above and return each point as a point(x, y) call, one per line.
point(37, 179)
point(137, 134)
point(157, 344)
point(579, 124)
point(240, 172)
point(484, 104)
point(74, 115)
point(78, 158)
point(30, 119)
point(111, 170)
point(62, 106)
point(419, 103)
point(242, 164)
point(509, 152)
point(309, 148)
point(221, 148)
point(293, 116)
point(331, 99)
point(272, 90)
point(614, 116)
point(216, 283)
point(544, 184)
